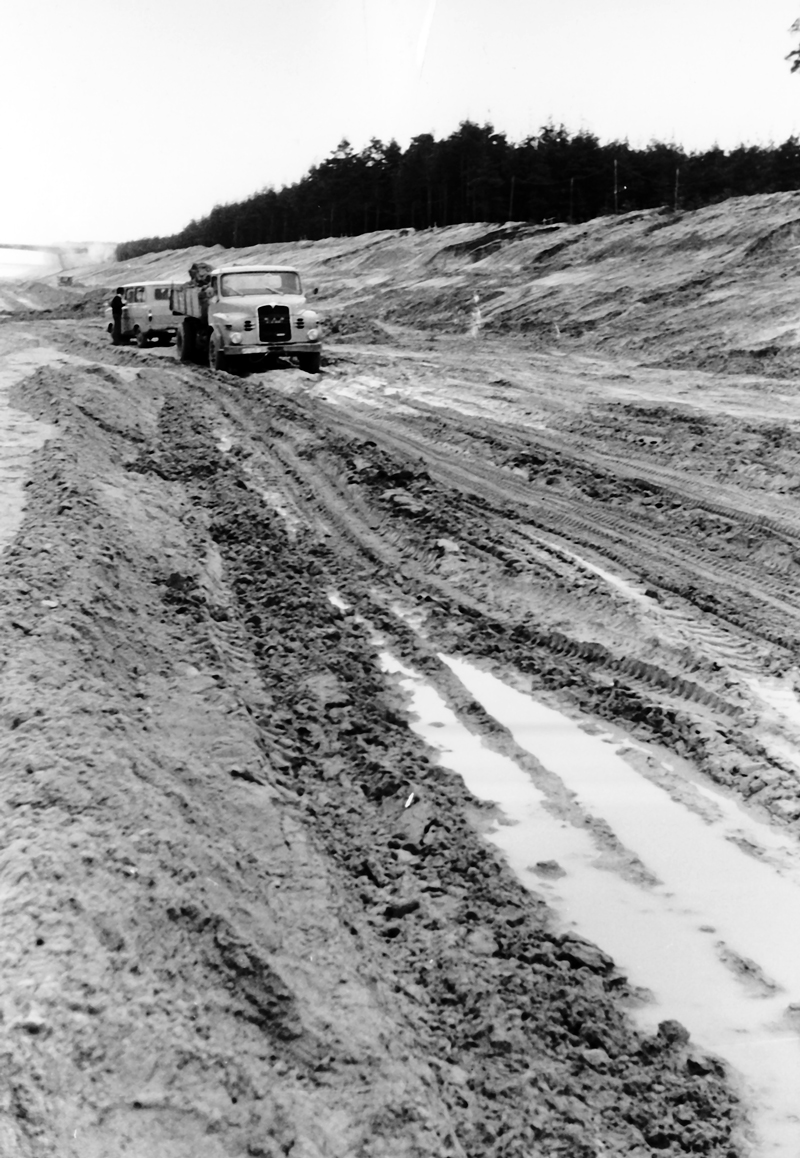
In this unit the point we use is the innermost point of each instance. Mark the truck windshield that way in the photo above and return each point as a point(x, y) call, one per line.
point(262, 281)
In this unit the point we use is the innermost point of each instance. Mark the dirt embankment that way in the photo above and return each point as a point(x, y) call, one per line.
point(713, 289)
point(247, 912)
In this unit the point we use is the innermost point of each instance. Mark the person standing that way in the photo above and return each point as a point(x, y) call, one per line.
point(117, 303)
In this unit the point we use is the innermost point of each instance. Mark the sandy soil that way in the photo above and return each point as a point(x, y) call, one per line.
point(229, 928)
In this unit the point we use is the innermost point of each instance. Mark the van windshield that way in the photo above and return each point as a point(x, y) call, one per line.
point(162, 293)
point(250, 283)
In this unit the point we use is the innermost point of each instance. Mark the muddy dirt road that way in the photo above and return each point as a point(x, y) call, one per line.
point(304, 850)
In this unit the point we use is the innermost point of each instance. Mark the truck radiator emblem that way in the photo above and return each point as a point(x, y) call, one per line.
point(273, 324)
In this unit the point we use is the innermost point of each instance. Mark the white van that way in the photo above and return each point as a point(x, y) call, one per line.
point(146, 314)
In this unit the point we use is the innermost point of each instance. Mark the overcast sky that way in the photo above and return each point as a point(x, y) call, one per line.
point(124, 120)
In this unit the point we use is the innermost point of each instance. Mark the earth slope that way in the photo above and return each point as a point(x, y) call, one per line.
point(246, 910)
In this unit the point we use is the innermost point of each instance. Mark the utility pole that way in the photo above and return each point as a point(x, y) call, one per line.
point(571, 197)
point(677, 178)
point(616, 188)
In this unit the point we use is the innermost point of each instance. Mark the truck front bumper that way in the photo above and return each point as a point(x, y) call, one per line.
point(259, 349)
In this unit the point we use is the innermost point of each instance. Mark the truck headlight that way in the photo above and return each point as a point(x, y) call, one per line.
point(312, 335)
point(236, 338)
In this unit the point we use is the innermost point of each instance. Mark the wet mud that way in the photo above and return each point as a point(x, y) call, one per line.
point(248, 909)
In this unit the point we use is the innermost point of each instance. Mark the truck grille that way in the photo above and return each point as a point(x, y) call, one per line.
point(273, 324)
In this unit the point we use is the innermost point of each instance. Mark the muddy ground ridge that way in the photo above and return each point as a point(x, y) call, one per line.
point(324, 741)
point(248, 911)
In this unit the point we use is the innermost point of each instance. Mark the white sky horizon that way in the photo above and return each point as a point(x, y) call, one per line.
point(127, 121)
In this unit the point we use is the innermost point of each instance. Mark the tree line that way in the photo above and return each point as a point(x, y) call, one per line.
point(477, 174)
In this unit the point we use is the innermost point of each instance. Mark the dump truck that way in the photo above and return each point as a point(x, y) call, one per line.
point(244, 313)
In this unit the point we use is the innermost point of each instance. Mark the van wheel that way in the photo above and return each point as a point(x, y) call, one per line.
point(185, 341)
point(142, 339)
point(216, 357)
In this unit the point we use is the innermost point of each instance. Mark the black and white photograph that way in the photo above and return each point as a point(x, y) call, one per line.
point(400, 579)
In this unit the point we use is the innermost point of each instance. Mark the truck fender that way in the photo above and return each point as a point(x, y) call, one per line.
point(216, 329)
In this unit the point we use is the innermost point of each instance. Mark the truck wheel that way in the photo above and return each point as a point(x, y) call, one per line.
point(309, 362)
point(216, 356)
point(141, 339)
point(185, 342)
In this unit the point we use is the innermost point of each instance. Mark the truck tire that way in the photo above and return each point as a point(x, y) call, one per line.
point(141, 339)
point(185, 341)
point(216, 356)
point(309, 362)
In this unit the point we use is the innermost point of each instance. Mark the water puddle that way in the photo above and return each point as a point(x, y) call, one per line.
point(621, 585)
point(716, 941)
point(781, 713)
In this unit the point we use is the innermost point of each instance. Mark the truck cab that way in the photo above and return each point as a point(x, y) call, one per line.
point(146, 314)
point(237, 312)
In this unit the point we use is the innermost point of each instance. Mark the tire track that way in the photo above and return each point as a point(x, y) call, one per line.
point(306, 448)
point(638, 549)
point(389, 547)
